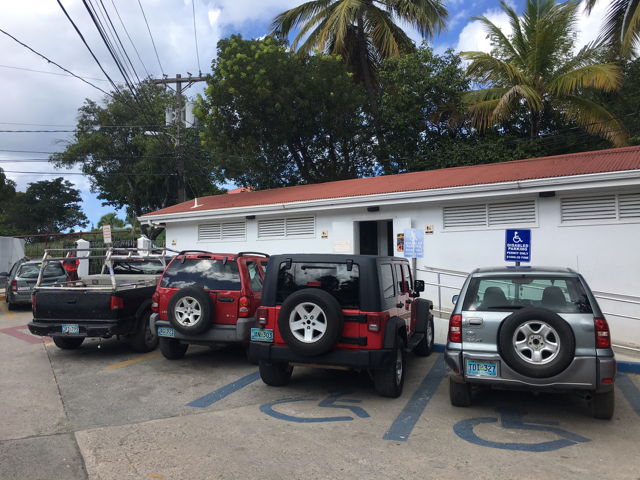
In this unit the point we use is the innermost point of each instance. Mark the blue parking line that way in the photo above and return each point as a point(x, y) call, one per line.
point(629, 390)
point(629, 367)
point(403, 425)
point(213, 397)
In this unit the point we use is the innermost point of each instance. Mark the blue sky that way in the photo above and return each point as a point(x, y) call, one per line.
point(38, 96)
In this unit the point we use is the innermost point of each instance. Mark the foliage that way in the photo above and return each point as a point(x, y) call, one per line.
point(276, 120)
point(621, 28)
point(111, 219)
point(7, 193)
point(128, 168)
point(46, 207)
point(535, 70)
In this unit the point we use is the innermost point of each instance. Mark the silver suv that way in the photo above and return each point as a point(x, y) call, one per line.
point(537, 329)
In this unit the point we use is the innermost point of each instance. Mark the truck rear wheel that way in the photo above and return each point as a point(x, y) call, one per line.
point(144, 340)
point(68, 343)
point(172, 349)
point(275, 374)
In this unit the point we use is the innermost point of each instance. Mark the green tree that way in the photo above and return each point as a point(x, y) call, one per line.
point(7, 193)
point(275, 119)
point(111, 219)
point(621, 28)
point(128, 167)
point(46, 207)
point(534, 70)
point(362, 32)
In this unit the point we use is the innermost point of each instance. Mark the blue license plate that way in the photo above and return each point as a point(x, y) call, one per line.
point(482, 369)
point(166, 332)
point(70, 329)
point(262, 334)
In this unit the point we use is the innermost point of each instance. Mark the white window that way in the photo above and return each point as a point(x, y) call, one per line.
point(600, 208)
point(295, 227)
point(491, 214)
point(223, 231)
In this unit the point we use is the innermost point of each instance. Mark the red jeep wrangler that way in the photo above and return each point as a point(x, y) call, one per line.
point(353, 311)
point(208, 299)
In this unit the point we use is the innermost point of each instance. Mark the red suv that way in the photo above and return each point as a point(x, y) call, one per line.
point(207, 298)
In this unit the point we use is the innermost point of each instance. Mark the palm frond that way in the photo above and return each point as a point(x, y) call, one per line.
point(487, 69)
point(427, 16)
point(389, 39)
point(498, 36)
point(291, 19)
point(595, 118)
point(606, 77)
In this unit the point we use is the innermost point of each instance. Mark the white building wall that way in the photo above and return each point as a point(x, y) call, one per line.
point(606, 253)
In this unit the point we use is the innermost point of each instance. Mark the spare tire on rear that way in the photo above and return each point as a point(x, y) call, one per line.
point(310, 321)
point(190, 311)
point(536, 342)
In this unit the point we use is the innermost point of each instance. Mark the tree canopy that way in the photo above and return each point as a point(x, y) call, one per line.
point(111, 219)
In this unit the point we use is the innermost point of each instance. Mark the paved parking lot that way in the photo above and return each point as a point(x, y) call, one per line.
point(104, 412)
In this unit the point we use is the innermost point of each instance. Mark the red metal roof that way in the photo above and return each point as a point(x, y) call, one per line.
point(613, 160)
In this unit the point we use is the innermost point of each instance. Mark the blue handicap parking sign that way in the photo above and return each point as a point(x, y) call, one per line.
point(413, 243)
point(517, 246)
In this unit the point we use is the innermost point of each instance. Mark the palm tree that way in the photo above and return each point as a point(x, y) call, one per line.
point(534, 68)
point(622, 24)
point(363, 32)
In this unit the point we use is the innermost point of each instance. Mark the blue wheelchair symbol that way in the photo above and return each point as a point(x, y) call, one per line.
point(328, 402)
point(511, 418)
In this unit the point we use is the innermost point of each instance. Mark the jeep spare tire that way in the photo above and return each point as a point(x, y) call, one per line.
point(536, 342)
point(310, 321)
point(190, 311)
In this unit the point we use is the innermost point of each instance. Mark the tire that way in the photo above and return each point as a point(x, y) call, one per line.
point(172, 349)
point(275, 374)
point(190, 311)
point(602, 404)
point(459, 393)
point(68, 343)
point(144, 340)
point(389, 381)
point(11, 305)
point(425, 347)
point(310, 322)
point(536, 342)
point(252, 360)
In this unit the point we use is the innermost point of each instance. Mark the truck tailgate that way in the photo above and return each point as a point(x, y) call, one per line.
point(73, 305)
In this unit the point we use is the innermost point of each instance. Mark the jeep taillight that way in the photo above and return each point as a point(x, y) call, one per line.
point(262, 316)
point(603, 338)
point(155, 300)
point(116, 303)
point(373, 321)
point(455, 329)
point(14, 286)
point(243, 307)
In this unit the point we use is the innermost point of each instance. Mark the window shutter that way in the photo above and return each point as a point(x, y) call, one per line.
point(234, 231)
point(465, 216)
point(514, 213)
point(601, 207)
point(210, 232)
point(301, 227)
point(629, 205)
point(271, 228)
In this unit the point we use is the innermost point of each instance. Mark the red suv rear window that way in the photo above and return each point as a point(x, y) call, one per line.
point(212, 274)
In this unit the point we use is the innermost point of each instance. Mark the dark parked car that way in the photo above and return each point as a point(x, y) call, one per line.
point(23, 277)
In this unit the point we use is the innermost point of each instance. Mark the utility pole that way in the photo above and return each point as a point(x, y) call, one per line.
point(178, 115)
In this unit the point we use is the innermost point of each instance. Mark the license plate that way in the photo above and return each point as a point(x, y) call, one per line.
point(482, 369)
point(23, 288)
point(70, 329)
point(166, 332)
point(262, 334)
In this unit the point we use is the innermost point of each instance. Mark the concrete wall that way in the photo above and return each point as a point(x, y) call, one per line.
point(606, 253)
point(11, 250)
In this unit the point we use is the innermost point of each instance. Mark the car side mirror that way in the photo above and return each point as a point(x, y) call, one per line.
point(4, 274)
point(455, 299)
point(418, 285)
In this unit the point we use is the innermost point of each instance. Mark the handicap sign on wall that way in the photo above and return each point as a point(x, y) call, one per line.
point(517, 246)
point(413, 243)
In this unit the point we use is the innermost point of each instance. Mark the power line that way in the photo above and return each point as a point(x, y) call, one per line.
point(154, 43)
point(54, 73)
point(130, 40)
point(195, 34)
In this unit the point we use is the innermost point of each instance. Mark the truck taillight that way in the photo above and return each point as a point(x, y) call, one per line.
point(263, 316)
point(373, 321)
point(33, 301)
point(155, 299)
point(243, 307)
point(14, 286)
point(455, 329)
point(603, 337)
point(116, 303)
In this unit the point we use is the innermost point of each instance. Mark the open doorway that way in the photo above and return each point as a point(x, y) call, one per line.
point(376, 237)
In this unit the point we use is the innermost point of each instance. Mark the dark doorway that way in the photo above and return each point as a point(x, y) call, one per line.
point(369, 238)
point(390, 239)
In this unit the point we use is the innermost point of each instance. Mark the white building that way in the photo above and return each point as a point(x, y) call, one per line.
point(583, 211)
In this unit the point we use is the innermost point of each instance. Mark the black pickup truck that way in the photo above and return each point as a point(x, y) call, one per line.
point(116, 302)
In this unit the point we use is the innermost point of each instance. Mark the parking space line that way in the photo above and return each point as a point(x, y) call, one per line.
point(213, 397)
point(404, 423)
point(6, 311)
point(629, 390)
point(17, 333)
point(131, 362)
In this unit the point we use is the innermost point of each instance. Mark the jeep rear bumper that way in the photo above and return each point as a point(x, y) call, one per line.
point(240, 333)
point(357, 359)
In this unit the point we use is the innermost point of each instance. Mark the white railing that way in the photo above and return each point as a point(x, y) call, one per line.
point(439, 274)
point(614, 297)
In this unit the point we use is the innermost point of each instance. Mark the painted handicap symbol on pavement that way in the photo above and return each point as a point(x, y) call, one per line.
point(511, 418)
point(329, 402)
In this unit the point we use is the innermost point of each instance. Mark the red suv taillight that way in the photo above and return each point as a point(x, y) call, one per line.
point(116, 303)
point(243, 307)
point(603, 338)
point(374, 322)
point(155, 299)
point(455, 329)
point(14, 286)
point(262, 316)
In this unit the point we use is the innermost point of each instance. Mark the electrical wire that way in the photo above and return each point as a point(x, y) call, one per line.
point(195, 34)
point(130, 40)
point(54, 73)
point(154, 43)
